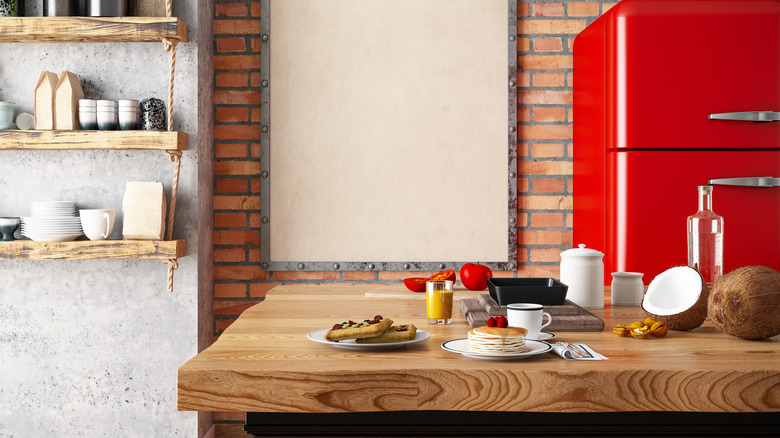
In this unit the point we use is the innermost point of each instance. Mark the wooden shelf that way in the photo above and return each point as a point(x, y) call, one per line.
point(89, 249)
point(141, 140)
point(90, 29)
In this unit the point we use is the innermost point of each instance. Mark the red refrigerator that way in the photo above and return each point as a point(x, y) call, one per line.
point(670, 95)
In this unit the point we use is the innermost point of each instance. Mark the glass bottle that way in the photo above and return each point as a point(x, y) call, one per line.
point(705, 238)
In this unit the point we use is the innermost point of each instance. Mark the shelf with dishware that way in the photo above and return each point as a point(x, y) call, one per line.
point(111, 140)
point(93, 249)
point(91, 29)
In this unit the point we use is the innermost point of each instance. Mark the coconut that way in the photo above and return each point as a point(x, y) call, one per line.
point(677, 297)
point(746, 303)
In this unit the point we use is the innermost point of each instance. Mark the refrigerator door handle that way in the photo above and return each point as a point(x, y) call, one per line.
point(752, 181)
point(747, 116)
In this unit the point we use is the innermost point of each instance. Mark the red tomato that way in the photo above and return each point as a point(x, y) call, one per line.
point(474, 277)
point(449, 274)
point(415, 284)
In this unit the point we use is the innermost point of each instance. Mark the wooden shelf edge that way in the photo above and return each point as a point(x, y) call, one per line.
point(110, 140)
point(88, 249)
point(90, 29)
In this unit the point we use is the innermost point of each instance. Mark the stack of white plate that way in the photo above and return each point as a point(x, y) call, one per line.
point(53, 221)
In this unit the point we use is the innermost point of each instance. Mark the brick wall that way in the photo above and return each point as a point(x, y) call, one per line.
point(546, 30)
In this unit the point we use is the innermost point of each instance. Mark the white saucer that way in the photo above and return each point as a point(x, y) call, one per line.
point(462, 346)
point(318, 336)
point(53, 238)
point(544, 336)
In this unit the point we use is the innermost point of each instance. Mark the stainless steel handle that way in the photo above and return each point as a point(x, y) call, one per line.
point(751, 181)
point(747, 116)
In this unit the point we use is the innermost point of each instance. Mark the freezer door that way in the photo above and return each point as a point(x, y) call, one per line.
point(651, 194)
point(673, 63)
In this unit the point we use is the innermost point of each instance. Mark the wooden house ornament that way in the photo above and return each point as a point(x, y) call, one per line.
point(66, 102)
point(44, 100)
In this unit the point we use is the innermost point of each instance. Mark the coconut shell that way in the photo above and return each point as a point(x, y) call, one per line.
point(689, 319)
point(746, 303)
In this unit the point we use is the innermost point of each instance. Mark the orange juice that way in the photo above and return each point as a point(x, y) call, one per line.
point(438, 301)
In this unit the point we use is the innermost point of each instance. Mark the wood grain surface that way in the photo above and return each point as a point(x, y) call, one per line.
point(57, 140)
point(90, 29)
point(263, 362)
point(92, 249)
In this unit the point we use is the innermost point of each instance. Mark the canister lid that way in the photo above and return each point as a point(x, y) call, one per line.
point(582, 252)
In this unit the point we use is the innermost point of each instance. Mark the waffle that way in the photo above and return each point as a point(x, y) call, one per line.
point(356, 330)
point(396, 333)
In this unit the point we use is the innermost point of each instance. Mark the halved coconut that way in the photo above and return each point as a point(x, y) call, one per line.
point(677, 297)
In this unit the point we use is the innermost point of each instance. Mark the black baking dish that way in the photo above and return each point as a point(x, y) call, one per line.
point(546, 291)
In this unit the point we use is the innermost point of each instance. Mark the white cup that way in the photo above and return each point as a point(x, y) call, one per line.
point(627, 288)
point(97, 224)
point(528, 316)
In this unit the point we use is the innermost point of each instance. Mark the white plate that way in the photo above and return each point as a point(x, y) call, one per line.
point(462, 346)
point(318, 336)
point(544, 336)
point(53, 238)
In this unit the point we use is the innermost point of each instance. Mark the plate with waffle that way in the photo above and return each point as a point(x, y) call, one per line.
point(369, 334)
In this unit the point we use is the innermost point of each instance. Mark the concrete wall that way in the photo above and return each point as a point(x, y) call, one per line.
point(91, 348)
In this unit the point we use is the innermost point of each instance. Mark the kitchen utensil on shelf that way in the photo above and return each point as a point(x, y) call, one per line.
point(60, 8)
point(152, 115)
point(88, 114)
point(107, 119)
point(582, 269)
point(7, 112)
point(25, 121)
point(97, 224)
point(8, 226)
point(627, 288)
point(128, 114)
point(106, 8)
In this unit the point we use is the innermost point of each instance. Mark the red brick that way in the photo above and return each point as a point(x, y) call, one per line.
point(255, 220)
point(231, 44)
point(544, 237)
point(229, 290)
point(546, 220)
point(254, 185)
point(522, 219)
point(550, 27)
point(523, 44)
point(570, 221)
point(359, 275)
point(554, 202)
point(523, 79)
point(549, 185)
point(231, 185)
point(540, 255)
point(232, 79)
point(549, 44)
point(582, 9)
point(532, 271)
point(230, 9)
point(229, 220)
point(544, 168)
point(549, 114)
point(236, 61)
point(236, 132)
point(232, 307)
point(607, 6)
point(255, 150)
point(257, 115)
point(229, 114)
point(522, 9)
point(221, 324)
point(546, 132)
point(239, 272)
point(236, 167)
point(229, 255)
point(230, 150)
point(236, 237)
point(524, 114)
point(225, 202)
point(530, 62)
point(522, 256)
point(254, 9)
point(261, 289)
point(256, 44)
point(253, 255)
point(548, 10)
point(256, 79)
point(306, 275)
point(522, 185)
point(236, 27)
point(535, 97)
point(549, 79)
point(236, 97)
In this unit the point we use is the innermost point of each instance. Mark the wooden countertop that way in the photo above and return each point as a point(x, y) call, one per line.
point(264, 363)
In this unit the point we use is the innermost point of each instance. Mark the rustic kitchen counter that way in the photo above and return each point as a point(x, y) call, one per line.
point(264, 363)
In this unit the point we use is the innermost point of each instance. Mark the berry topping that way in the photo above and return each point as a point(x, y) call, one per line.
point(373, 322)
point(502, 322)
point(336, 327)
point(403, 328)
point(351, 322)
point(491, 322)
point(377, 317)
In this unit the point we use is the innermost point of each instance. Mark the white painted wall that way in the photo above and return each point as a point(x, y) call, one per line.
point(91, 348)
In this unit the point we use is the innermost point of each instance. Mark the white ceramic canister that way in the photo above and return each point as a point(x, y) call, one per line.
point(582, 269)
point(627, 288)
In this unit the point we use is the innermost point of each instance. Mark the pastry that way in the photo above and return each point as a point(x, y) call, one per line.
point(497, 340)
point(356, 330)
point(396, 333)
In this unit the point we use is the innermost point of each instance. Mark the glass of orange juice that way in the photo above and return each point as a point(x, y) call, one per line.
point(438, 301)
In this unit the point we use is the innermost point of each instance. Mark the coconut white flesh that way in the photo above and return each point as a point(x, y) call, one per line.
point(673, 291)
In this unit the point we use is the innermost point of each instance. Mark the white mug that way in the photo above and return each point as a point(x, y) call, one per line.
point(528, 316)
point(97, 224)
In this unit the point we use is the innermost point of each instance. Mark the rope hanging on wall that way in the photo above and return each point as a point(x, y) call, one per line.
point(173, 155)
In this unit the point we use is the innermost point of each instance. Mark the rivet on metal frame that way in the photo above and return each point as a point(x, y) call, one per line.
point(264, 219)
point(264, 174)
point(512, 129)
point(512, 266)
point(265, 37)
point(301, 266)
point(407, 266)
point(371, 266)
point(265, 129)
point(265, 265)
point(512, 174)
point(511, 83)
point(335, 266)
point(512, 220)
point(441, 266)
point(264, 83)
point(512, 37)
